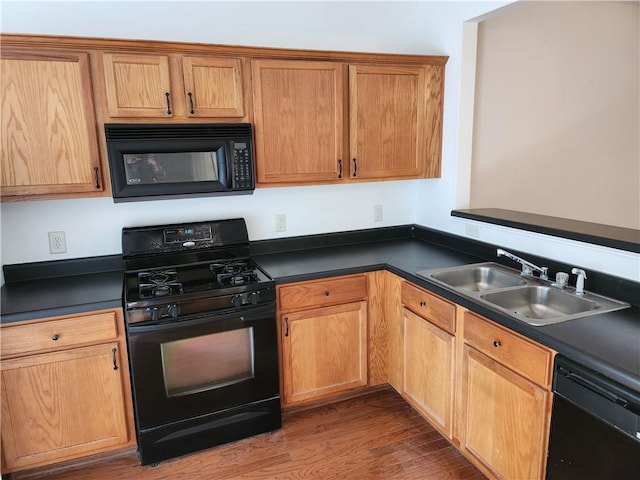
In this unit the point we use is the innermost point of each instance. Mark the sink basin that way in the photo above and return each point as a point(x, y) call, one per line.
point(540, 304)
point(527, 299)
point(478, 278)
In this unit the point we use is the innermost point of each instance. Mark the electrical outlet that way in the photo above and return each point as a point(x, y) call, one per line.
point(57, 242)
point(377, 213)
point(281, 222)
point(472, 230)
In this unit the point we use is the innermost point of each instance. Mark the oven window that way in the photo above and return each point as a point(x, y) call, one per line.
point(211, 361)
point(149, 168)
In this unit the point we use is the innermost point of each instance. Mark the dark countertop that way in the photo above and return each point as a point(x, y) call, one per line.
point(608, 343)
point(60, 296)
point(48, 289)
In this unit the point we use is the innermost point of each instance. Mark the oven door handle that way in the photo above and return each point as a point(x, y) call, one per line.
point(246, 315)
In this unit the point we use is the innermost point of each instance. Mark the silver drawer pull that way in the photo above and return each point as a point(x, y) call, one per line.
point(55, 337)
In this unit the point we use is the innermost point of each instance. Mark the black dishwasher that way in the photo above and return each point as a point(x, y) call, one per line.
point(595, 427)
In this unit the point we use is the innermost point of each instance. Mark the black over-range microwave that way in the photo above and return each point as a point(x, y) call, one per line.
point(159, 161)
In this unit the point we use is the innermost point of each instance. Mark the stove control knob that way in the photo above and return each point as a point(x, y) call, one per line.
point(154, 313)
point(254, 297)
point(173, 310)
point(236, 300)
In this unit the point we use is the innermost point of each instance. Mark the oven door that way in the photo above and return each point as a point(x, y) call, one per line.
point(196, 365)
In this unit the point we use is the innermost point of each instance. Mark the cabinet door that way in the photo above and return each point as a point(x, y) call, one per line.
point(213, 86)
point(428, 373)
point(299, 124)
point(48, 135)
point(138, 85)
point(505, 418)
point(324, 351)
point(387, 108)
point(62, 405)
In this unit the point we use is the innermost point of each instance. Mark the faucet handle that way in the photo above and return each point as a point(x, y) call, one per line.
point(562, 279)
point(543, 273)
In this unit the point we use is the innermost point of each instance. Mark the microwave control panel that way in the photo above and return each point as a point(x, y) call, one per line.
point(242, 166)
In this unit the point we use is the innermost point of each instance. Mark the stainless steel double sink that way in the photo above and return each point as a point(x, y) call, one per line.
point(525, 298)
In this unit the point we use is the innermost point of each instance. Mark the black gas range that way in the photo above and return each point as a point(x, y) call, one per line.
point(177, 270)
point(201, 331)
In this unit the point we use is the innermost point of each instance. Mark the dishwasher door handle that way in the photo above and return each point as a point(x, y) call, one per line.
point(599, 389)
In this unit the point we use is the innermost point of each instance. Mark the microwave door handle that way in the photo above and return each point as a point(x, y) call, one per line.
point(229, 166)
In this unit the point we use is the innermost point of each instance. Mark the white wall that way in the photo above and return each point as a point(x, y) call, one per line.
point(93, 226)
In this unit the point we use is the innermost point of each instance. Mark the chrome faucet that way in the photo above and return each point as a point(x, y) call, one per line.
point(580, 280)
point(527, 267)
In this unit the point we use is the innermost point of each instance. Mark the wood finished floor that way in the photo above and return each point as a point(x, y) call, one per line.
point(376, 436)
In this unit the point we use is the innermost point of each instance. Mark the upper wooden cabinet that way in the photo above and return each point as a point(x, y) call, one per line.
point(299, 121)
point(48, 133)
point(394, 126)
point(319, 117)
point(395, 122)
point(172, 86)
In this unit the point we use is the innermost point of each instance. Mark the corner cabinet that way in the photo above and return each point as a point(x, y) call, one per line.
point(323, 337)
point(173, 86)
point(506, 400)
point(65, 389)
point(48, 134)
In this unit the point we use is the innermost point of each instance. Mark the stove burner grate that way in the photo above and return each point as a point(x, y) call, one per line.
point(233, 273)
point(158, 283)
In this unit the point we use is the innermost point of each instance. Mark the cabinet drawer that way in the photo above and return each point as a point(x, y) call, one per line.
point(322, 292)
point(429, 306)
point(59, 334)
point(517, 353)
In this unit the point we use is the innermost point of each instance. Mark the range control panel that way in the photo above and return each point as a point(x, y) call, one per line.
point(196, 233)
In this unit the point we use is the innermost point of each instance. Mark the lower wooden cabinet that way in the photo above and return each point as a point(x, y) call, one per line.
point(428, 372)
point(69, 396)
point(323, 346)
point(506, 400)
point(324, 351)
point(429, 356)
point(483, 386)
